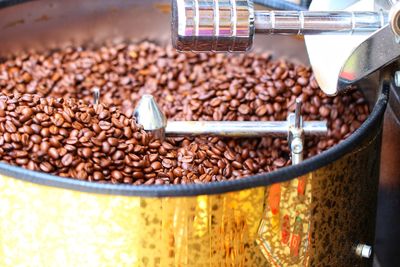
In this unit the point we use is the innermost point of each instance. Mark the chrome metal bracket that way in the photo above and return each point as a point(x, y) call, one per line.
point(296, 134)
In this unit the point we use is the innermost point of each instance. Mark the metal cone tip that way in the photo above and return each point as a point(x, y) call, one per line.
point(149, 115)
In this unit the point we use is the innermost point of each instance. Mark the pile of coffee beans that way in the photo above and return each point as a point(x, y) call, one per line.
point(48, 124)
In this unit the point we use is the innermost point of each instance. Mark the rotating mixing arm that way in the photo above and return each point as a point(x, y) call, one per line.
point(230, 25)
point(149, 115)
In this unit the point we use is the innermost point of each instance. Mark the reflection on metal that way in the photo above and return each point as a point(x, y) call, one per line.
point(352, 58)
point(313, 22)
point(294, 229)
point(225, 25)
point(296, 134)
point(212, 25)
point(241, 128)
point(149, 115)
point(374, 53)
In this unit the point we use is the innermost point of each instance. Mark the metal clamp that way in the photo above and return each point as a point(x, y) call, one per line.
point(296, 134)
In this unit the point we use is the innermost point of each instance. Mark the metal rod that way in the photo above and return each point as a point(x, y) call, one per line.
point(314, 22)
point(297, 122)
point(241, 128)
point(96, 95)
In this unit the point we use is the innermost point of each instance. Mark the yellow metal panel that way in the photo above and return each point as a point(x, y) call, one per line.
point(46, 226)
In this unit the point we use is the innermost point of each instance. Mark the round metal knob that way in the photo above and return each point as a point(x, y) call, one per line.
point(212, 25)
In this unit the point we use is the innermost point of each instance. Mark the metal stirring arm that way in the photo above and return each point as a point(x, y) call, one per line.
point(319, 22)
point(149, 115)
point(230, 25)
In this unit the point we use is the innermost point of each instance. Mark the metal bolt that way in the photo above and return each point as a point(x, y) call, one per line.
point(364, 251)
point(297, 146)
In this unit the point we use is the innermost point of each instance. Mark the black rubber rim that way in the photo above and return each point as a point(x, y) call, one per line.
point(371, 126)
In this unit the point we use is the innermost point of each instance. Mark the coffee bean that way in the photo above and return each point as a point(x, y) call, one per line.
point(10, 127)
point(187, 159)
point(324, 111)
point(156, 165)
point(53, 153)
point(26, 114)
point(229, 155)
point(118, 155)
point(138, 175)
point(302, 81)
point(36, 139)
point(237, 165)
point(67, 159)
point(261, 111)
point(86, 152)
point(117, 175)
point(46, 167)
point(280, 162)
point(244, 109)
point(97, 176)
point(106, 147)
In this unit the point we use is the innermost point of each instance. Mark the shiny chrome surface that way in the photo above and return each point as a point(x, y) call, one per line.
point(296, 134)
point(149, 115)
point(333, 49)
point(208, 25)
point(351, 58)
point(240, 128)
point(314, 22)
point(374, 53)
point(229, 25)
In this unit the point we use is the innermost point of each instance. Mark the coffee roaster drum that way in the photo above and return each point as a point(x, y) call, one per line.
point(51, 221)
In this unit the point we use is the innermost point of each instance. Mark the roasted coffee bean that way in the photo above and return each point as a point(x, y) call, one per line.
point(46, 167)
point(86, 152)
point(117, 175)
point(67, 159)
point(53, 153)
point(10, 127)
point(50, 124)
point(280, 162)
point(98, 176)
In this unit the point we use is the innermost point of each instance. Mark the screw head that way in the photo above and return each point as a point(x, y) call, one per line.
point(297, 145)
